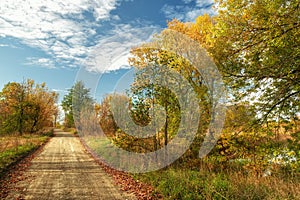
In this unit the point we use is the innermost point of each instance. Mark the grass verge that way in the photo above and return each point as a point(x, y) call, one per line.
point(190, 184)
point(15, 148)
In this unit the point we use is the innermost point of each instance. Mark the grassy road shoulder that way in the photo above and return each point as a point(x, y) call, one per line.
point(15, 148)
point(174, 183)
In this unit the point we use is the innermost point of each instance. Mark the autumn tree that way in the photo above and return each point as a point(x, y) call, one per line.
point(256, 46)
point(43, 105)
point(26, 107)
point(120, 121)
point(149, 93)
point(105, 116)
point(199, 35)
point(14, 102)
point(201, 30)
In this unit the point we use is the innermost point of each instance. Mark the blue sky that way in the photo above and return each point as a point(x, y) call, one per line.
point(60, 41)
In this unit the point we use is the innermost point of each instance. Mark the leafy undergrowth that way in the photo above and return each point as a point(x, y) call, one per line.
point(190, 184)
point(14, 160)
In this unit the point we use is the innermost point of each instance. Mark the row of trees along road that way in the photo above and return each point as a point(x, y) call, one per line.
point(255, 45)
point(27, 107)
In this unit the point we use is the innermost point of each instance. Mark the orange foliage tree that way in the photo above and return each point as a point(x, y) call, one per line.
point(26, 107)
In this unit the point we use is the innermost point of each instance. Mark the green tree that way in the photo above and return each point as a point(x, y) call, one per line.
point(164, 60)
point(256, 46)
point(74, 102)
point(67, 107)
point(146, 94)
point(14, 98)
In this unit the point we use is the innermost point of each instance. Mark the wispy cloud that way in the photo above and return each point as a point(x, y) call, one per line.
point(60, 91)
point(186, 12)
point(4, 45)
point(57, 27)
point(10, 46)
point(68, 30)
point(111, 53)
point(187, 1)
point(41, 62)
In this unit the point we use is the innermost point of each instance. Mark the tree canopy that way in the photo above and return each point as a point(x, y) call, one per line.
point(256, 46)
point(74, 102)
point(26, 107)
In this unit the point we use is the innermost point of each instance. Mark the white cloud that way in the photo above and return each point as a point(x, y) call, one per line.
point(52, 25)
point(103, 7)
point(60, 90)
point(187, 13)
point(111, 53)
point(9, 45)
point(62, 30)
point(187, 1)
point(173, 11)
point(42, 62)
point(4, 45)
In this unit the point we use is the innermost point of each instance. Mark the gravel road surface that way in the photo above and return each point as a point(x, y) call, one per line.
point(63, 170)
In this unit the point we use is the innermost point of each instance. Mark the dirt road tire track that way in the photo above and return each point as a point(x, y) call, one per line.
point(63, 170)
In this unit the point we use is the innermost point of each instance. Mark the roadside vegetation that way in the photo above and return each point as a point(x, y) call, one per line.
point(255, 46)
point(184, 183)
point(27, 111)
point(15, 147)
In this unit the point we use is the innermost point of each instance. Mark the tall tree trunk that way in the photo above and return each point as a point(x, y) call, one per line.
point(166, 134)
point(20, 121)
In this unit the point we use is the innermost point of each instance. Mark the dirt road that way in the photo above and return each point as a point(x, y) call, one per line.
point(63, 170)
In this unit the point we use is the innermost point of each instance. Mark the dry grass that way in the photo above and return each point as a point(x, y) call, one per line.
point(271, 187)
point(14, 147)
point(193, 184)
point(13, 141)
